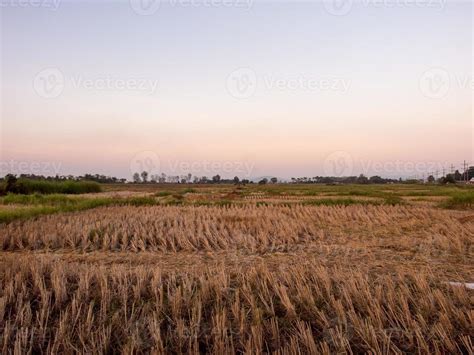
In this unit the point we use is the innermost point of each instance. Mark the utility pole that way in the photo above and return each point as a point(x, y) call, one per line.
point(465, 171)
point(452, 169)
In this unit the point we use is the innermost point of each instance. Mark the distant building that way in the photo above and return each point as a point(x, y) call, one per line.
point(471, 181)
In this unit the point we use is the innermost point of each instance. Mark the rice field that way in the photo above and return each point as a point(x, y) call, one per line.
point(241, 270)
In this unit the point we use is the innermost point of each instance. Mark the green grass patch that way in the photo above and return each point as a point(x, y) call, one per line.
point(163, 193)
point(36, 205)
point(460, 200)
point(137, 201)
point(27, 186)
point(36, 199)
point(393, 200)
point(7, 216)
point(339, 202)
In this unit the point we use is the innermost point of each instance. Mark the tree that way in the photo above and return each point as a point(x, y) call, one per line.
point(376, 180)
point(362, 179)
point(162, 179)
point(136, 178)
point(457, 175)
point(11, 183)
point(216, 179)
point(144, 175)
point(470, 173)
point(263, 181)
point(236, 180)
point(448, 179)
point(274, 180)
point(431, 179)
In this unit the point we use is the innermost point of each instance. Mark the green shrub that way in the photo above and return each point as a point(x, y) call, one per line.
point(460, 200)
point(26, 187)
point(36, 199)
point(393, 200)
point(163, 193)
point(36, 205)
point(140, 201)
point(7, 216)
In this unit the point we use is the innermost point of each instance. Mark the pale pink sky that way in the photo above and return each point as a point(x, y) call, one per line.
point(279, 88)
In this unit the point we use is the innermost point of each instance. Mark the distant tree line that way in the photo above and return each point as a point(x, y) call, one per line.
point(457, 176)
point(146, 178)
point(361, 179)
point(25, 186)
point(103, 179)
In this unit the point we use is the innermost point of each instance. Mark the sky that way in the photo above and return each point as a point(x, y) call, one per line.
point(236, 87)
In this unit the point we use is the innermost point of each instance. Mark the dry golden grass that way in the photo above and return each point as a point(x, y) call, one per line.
point(281, 279)
point(65, 307)
point(250, 228)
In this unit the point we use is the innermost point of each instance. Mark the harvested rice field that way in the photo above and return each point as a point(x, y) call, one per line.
point(240, 270)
